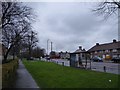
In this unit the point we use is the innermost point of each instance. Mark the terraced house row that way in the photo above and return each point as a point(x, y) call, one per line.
point(106, 51)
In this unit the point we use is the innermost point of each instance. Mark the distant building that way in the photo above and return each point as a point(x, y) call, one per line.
point(64, 55)
point(81, 52)
point(78, 57)
point(106, 51)
point(54, 55)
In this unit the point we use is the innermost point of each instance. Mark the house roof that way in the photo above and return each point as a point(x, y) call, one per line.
point(113, 45)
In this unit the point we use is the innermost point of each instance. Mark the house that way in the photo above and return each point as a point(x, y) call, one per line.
point(64, 55)
point(81, 52)
point(106, 51)
point(78, 57)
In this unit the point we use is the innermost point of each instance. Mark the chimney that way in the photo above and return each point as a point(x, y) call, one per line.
point(114, 41)
point(97, 44)
point(80, 47)
point(84, 50)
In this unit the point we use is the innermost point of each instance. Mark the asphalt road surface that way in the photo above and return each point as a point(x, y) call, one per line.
point(96, 66)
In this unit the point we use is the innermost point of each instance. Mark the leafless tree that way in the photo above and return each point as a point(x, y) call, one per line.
point(38, 52)
point(16, 24)
point(107, 8)
point(31, 41)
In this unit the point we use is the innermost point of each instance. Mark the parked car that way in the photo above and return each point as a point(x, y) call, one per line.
point(30, 58)
point(48, 58)
point(97, 59)
point(116, 59)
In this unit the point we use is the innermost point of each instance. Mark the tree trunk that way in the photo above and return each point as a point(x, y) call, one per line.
point(14, 52)
point(6, 54)
point(13, 56)
point(29, 52)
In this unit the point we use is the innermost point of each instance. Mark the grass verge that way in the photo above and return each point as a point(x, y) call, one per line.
point(51, 75)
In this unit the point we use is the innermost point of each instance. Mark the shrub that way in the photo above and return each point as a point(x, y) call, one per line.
point(8, 73)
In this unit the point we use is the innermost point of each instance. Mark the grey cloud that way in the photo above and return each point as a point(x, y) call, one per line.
point(69, 25)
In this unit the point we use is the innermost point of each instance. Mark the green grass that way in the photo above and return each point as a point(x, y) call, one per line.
point(51, 75)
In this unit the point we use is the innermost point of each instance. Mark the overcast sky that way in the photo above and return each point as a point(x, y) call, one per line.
point(70, 25)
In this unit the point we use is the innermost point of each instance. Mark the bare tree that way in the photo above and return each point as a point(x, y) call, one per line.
point(13, 10)
point(31, 42)
point(16, 24)
point(38, 52)
point(107, 8)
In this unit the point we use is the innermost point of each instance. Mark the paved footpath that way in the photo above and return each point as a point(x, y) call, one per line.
point(23, 78)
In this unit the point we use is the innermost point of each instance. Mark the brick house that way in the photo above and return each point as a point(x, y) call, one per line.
point(106, 51)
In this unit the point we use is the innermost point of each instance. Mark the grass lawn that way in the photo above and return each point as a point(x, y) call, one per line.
point(51, 75)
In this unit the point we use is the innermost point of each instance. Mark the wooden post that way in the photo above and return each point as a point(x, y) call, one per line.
point(86, 60)
point(104, 68)
point(90, 63)
point(63, 63)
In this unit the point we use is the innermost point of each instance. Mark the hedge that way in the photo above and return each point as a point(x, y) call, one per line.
point(8, 73)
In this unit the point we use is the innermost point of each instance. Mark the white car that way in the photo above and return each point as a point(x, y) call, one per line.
point(97, 59)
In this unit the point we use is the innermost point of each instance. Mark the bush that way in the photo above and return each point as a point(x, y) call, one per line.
point(8, 73)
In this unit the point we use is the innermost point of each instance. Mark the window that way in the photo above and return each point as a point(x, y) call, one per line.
point(106, 50)
point(101, 51)
point(83, 55)
point(95, 52)
point(114, 50)
point(114, 56)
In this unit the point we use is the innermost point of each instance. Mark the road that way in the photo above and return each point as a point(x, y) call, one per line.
point(110, 67)
point(96, 66)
